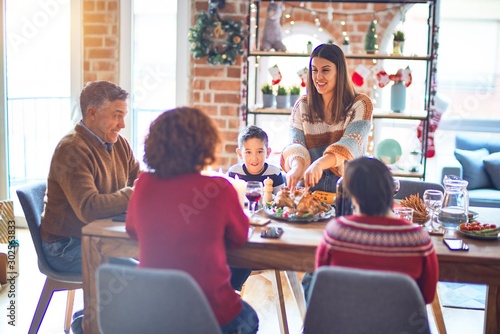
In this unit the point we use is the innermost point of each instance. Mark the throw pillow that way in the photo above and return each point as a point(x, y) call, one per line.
point(492, 166)
point(473, 167)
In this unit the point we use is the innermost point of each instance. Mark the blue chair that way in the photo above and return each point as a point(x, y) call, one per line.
point(412, 187)
point(140, 300)
point(356, 301)
point(31, 198)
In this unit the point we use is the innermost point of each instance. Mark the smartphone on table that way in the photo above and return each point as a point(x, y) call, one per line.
point(271, 232)
point(456, 244)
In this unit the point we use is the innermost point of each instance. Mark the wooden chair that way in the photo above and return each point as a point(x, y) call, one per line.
point(31, 199)
point(139, 300)
point(352, 301)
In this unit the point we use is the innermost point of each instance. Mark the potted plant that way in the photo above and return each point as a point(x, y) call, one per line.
point(309, 47)
point(281, 98)
point(294, 94)
point(398, 42)
point(346, 47)
point(267, 95)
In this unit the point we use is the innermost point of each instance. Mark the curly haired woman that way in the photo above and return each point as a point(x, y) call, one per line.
point(184, 220)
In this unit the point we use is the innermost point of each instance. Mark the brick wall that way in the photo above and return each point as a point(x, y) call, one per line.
point(217, 89)
point(101, 40)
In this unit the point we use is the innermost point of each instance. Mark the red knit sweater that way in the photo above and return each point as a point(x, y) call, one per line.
point(381, 243)
point(186, 223)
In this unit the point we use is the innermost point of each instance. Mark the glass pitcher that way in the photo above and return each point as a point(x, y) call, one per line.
point(455, 208)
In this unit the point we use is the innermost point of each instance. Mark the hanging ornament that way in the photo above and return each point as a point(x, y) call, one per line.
point(275, 74)
point(382, 78)
point(303, 76)
point(329, 12)
point(360, 74)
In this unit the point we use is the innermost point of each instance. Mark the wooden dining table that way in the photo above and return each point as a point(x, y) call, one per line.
point(295, 252)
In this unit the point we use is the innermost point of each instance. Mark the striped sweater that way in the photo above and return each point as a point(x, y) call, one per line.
point(381, 243)
point(271, 171)
point(346, 140)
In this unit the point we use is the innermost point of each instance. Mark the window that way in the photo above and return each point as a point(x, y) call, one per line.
point(157, 78)
point(38, 85)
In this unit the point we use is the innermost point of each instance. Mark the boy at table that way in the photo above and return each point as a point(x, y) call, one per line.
point(253, 150)
point(184, 220)
point(373, 237)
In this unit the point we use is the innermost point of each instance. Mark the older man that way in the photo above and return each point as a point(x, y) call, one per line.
point(91, 174)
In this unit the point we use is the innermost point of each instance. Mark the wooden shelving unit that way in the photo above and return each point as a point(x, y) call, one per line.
point(254, 110)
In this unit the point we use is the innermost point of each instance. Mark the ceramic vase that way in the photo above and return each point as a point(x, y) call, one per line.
point(398, 97)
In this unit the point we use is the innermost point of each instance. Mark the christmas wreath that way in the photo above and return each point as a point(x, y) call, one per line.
point(210, 27)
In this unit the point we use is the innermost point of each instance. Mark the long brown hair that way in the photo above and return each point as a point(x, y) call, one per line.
point(344, 93)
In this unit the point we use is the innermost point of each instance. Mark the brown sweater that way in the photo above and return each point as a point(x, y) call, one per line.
point(86, 182)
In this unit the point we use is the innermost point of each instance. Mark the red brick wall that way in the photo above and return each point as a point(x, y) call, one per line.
point(101, 40)
point(216, 89)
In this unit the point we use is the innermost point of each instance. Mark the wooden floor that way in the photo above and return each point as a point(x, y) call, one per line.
point(258, 292)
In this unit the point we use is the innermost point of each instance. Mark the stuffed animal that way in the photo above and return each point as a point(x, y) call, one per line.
point(272, 30)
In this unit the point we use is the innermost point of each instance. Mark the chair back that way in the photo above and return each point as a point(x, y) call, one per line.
point(351, 301)
point(140, 300)
point(411, 187)
point(31, 198)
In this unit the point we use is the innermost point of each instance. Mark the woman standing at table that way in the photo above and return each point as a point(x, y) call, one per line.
point(373, 238)
point(184, 220)
point(328, 125)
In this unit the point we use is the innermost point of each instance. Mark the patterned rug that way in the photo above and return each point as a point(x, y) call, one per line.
point(460, 295)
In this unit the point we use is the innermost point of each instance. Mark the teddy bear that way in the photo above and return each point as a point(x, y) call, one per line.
point(272, 36)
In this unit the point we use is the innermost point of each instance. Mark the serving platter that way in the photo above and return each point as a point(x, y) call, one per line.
point(478, 236)
point(298, 217)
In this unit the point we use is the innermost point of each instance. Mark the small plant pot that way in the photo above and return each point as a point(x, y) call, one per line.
point(346, 48)
point(309, 48)
point(267, 100)
point(281, 101)
point(397, 48)
point(293, 99)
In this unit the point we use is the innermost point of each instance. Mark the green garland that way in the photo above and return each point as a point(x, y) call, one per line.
point(202, 34)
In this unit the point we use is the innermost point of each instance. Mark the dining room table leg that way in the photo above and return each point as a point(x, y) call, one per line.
point(91, 260)
point(492, 310)
point(297, 292)
point(279, 299)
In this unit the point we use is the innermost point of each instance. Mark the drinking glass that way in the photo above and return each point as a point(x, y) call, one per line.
point(433, 199)
point(253, 194)
point(404, 212)
point(396, 186)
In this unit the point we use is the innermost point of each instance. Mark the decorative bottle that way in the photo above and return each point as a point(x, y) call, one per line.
point(343, 204)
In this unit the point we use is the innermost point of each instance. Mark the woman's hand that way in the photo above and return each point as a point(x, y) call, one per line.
point(313, 174)
point(295, 174)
